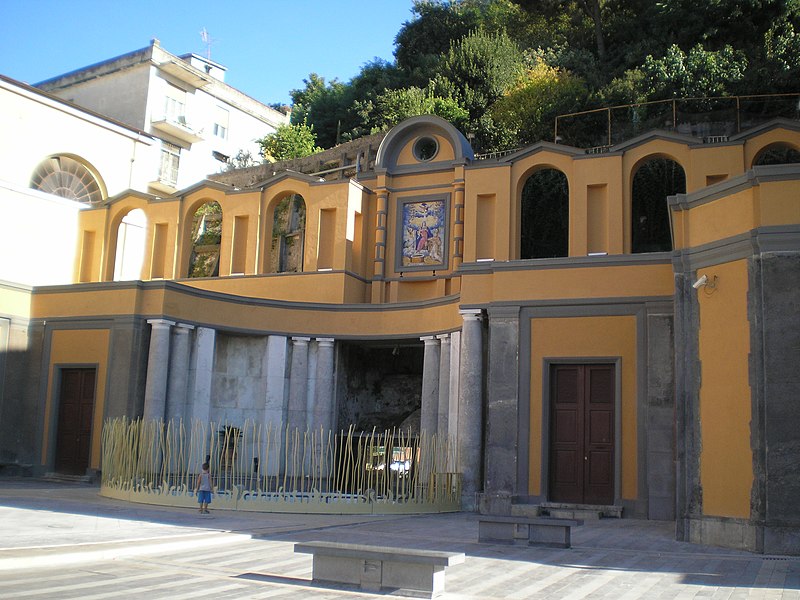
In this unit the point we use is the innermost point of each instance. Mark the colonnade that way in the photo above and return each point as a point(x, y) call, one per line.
point(300, 380)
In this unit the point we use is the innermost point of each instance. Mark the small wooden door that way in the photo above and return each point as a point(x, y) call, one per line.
point(75, 413)
point(582, 434)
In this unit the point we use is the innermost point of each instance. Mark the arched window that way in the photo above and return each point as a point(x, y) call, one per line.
point(206, 239)
point(777, 154)
point(654, 180)
point(288, 234)
point(130, 246)
point(545, 215)
point(66, 177)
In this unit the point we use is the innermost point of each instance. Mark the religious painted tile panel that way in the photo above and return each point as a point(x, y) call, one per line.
point(423, 231)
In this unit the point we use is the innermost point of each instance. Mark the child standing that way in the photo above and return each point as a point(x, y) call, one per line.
point(203, 489)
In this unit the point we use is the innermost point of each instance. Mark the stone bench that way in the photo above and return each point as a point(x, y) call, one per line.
point(418, 573)
point(540, 531)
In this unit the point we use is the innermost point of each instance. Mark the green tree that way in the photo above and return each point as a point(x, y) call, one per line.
point(289, 141)
point(323, 106)
point(436, 26)
point(696, 74)
point(529, 107)
point(394, 106)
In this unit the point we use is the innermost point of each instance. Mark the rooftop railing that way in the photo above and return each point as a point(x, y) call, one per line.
point(713, 120)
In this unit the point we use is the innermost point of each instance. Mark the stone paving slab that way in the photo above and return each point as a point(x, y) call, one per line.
point(65, 541)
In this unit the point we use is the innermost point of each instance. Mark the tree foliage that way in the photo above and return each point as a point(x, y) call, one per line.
point(500, 70)
point(289, 141)
point(541, 93)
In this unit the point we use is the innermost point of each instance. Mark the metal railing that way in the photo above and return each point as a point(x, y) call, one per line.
point(259, 467)
point(712, 119)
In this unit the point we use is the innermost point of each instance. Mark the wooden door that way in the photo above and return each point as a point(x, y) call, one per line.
point(582, 434)
point(75, 414)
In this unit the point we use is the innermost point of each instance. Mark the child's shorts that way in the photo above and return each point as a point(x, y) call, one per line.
point(203, 497)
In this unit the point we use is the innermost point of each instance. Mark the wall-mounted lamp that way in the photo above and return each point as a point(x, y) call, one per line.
point(705, 282)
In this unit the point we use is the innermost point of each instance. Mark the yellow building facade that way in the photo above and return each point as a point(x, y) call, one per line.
point(609, 365)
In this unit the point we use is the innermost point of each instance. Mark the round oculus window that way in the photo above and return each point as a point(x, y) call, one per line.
point(425, 148)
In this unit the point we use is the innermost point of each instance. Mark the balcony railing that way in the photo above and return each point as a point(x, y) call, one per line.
point(178, 127)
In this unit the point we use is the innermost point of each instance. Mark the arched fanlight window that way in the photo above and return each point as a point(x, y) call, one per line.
point(66, 177)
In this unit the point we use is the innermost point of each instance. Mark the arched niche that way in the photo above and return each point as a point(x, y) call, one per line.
point(206, 238)
point(288, 235)
point(544, 215)
point(779, 153)
point(654, 178)
point(130, 246)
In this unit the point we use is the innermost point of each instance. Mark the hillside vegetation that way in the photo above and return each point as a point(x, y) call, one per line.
point(501, 70)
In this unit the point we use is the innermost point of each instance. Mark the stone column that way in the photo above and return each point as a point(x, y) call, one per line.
point(178, 384)
point(470, 413)
point(502, 410)
point(274, 402)
point(298, 386)
point(442, 429)
point(155, 391)
point(322, 415)
point(455, 370)
point(201, 374)
point(430, 387)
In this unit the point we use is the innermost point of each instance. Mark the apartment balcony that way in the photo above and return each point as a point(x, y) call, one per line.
point(162, 186)
point(176, 127)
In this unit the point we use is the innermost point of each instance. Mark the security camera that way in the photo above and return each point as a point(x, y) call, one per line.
point(700, 282)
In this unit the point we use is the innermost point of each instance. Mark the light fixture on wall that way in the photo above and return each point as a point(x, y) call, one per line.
point(705, 282)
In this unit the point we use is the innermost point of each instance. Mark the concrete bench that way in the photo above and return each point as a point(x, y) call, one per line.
point(540, 531)
point(418, 573)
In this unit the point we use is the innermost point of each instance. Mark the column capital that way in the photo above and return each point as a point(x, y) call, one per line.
point(160, 323)
point(300, 340)
point(444, 338)
point(325, 341)
point(183, 327)
point(429, 339)
point(471, 314)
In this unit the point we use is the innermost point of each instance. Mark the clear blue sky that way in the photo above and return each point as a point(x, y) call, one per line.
point(269, 47)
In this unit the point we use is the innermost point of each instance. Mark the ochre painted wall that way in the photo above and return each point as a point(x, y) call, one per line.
point(75, 348)
point(586, 337)
point(726, 461)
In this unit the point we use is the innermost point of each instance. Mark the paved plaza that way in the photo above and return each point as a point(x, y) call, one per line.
point(62, 540)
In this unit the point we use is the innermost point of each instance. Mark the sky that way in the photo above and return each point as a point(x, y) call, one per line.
point(269, 47)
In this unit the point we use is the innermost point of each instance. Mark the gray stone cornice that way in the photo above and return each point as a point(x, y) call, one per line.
point(570, 262)
point(752, 178)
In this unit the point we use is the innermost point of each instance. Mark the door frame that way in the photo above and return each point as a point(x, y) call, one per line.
point(547, 363)
point(55, 403)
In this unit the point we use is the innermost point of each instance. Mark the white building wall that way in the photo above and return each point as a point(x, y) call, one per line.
point(121, 95)
point(36, 127)
point(43, 237)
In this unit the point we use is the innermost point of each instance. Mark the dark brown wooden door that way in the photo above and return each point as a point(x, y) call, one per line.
point(75, 412)
point(582, 434)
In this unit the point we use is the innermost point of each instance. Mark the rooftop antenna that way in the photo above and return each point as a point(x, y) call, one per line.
point(207, 40)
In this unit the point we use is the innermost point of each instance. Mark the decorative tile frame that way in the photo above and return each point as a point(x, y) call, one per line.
point(423, 233)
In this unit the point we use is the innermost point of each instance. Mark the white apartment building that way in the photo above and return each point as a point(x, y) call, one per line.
point(56, 159)
point(182, 100)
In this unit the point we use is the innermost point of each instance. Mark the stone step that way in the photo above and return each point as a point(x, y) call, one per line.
point(68, 478)
point(566, 513)
point(530, 511)
point(563, 510)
